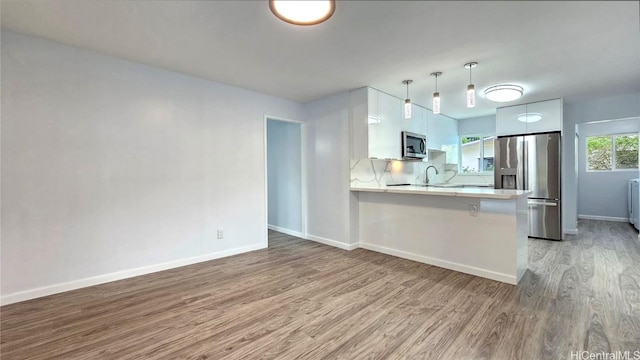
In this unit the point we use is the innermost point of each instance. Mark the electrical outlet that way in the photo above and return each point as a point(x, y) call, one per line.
point(220, 233)
point(473, 210)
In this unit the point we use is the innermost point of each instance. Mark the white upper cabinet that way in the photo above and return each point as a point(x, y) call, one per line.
point(418, 122)
point(543, 116)
point(547, 116)
point(443, 135)
point(507, 122)
point(385, 124)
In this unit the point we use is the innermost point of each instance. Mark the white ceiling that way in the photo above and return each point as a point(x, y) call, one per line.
point(571, 49)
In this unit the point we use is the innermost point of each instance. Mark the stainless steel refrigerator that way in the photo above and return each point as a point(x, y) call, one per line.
point(532, 162)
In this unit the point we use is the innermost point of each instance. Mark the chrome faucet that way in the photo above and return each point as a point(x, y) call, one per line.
point(426, 173)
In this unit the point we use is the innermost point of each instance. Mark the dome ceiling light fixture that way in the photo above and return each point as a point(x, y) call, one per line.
point(302, 12)
point(503, 92)
point(529, 117)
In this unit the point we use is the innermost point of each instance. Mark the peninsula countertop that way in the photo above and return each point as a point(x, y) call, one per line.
point(473, 192)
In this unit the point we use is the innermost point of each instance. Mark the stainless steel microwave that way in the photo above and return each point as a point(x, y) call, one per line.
point(414, 146)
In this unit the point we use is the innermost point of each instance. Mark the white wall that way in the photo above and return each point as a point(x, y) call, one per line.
point(284, 175)
point(610, 108)
point(112, 168)
point(328, 147)
point(603, 193)
point(483, 125)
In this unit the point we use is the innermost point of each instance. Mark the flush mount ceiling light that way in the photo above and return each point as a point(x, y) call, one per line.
point(407, 101)
point(436, 94)
point(529, 117)
point(471, 89)
point(503, 92)
point(302, 12)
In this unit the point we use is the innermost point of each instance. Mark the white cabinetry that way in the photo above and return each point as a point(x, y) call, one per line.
point(386, 122)
point(551, 116)
point(386, 115)
point(443, 135)
point(507, 122)
point(543, 116)
point(418, 122)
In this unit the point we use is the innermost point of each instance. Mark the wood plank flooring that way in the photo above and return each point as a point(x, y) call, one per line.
point(303, 300)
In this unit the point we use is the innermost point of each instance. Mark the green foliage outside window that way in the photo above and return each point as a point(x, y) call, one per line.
point(468, 139)
point(600, 152)
point(627, 151)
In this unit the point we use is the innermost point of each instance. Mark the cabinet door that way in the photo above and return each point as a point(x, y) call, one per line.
point(418, 122)
point(374, 127)
point(443, 135)
point(385, 127)
point(550, 113)
point(372, 105)
point(507, 122)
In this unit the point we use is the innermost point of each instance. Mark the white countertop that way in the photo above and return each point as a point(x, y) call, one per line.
point(486, 193)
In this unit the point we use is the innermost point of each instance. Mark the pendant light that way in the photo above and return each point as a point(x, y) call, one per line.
point(436, 95)
point(407, 101)
point(471, 89)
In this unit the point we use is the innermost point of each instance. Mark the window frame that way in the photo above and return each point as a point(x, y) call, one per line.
point(613, 152)
point(482, 137)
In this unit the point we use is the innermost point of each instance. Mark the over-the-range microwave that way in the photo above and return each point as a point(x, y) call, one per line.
point(414, 146)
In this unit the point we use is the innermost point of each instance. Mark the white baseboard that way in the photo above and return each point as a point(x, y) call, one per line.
point(333, 243)
point(605, 218)
point(286, 231)
point(570, 231)
point(119, 275)
point(510, 279)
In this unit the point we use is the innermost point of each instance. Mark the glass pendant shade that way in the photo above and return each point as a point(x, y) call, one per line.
point(407, 109)
point(407, 102)
point(471, 96)
point(471, 89)
point(436, 94)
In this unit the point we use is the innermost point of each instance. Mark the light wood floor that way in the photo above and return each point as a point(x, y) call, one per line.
point(300, 299)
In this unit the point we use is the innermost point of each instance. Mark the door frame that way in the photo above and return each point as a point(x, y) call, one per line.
point(303, 175)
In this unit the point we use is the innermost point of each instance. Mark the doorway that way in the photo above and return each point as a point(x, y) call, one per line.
point(286, 208)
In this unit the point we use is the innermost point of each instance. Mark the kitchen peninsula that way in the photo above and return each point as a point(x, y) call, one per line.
point(476, 230)
point(479, 231)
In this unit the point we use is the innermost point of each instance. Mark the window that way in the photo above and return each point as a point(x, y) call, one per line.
point(612, 152)
point(476, 153)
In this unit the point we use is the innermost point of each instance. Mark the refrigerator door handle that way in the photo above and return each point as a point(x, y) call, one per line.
point(533, 203)
point(525, 165)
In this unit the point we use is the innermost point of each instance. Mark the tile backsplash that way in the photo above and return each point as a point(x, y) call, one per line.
point(473, 179)
point(379, 172)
